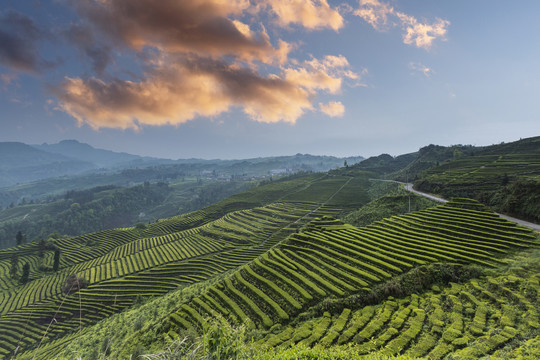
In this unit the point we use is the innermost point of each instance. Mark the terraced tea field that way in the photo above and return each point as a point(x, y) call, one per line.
point(294, 274)
point(468, 320)
point(120, 266)
point(505, 177)
point(329, 259)
point(484, 172)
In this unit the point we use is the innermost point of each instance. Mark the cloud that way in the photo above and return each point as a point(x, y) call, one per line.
point(333, 108)
point(83, 38)
point(7, 79)
point(206, 58)
point(182, 88)
point(375, 13)
point(416, 66)
point(18, 42)
point(201, 27)
point(326, 74)
point(311, 14)
point(422, 35)
point(382, 16)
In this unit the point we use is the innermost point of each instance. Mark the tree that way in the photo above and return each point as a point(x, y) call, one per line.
point(56, 263)
point(14, 266)
point(345, 164)
point(74, 283)
point(505, 180)
point(25, 273)
point(19, 237)
point(42, 246)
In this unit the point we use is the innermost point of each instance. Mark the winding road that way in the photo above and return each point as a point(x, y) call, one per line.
point(409, 187)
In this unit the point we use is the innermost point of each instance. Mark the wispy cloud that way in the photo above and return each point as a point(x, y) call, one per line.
point(7, 79)
point(422, 35)
point(382, 16)
point(83, 38)
point(311, 14)
point(333, 108)
point(419, 67)
point(376, 13)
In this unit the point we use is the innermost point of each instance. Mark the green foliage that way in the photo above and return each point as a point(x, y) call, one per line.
point(394, 203)
point(504, 177)
point(14, 266)
point(286, 289)
point(56, 263)
point(19, 238)
point(25, 273)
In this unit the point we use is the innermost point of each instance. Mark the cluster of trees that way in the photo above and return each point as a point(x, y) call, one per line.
point(42, 248)
point(211, 193)
point(80, 212)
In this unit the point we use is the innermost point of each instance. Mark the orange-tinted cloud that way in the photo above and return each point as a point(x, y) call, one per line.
point(333, 108)
point(206, 59)
point(181, 89)
point(326, 74)
point(375, 13)
point(311, 14)
point(202, 27)
point(422, 35)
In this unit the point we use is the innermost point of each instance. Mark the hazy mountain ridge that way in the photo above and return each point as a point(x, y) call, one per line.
point(85, 152)
point(23, 163)
point(126, 169)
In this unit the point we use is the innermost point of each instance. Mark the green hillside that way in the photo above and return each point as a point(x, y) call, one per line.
point(401, 272)
point(272, 272)
point(108, 207)
point(504, 176)
point(122, 265)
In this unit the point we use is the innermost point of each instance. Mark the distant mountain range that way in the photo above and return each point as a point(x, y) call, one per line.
point(21, 163)
point(84, 152)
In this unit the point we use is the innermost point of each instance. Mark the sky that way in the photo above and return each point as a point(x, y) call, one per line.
point(247, 78)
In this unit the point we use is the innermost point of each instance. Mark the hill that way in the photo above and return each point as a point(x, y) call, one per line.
point(330, 283)
point(269, 254)
point(505, 177)
point(167, 248)
point(98, 157)
point(106, 207)
point(22, 163)
point(23, 184)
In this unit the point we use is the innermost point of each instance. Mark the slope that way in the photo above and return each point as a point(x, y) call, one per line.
point(117, 267)
point(341, 273)
point(504, 176)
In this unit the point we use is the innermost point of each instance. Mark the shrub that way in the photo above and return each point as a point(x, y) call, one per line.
point(74, 283)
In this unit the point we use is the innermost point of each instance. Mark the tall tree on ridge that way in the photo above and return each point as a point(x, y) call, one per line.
point(56, 263)
point(25, 273)
point(19, 237)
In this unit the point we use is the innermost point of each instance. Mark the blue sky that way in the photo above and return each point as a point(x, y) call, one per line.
point(249, 78)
